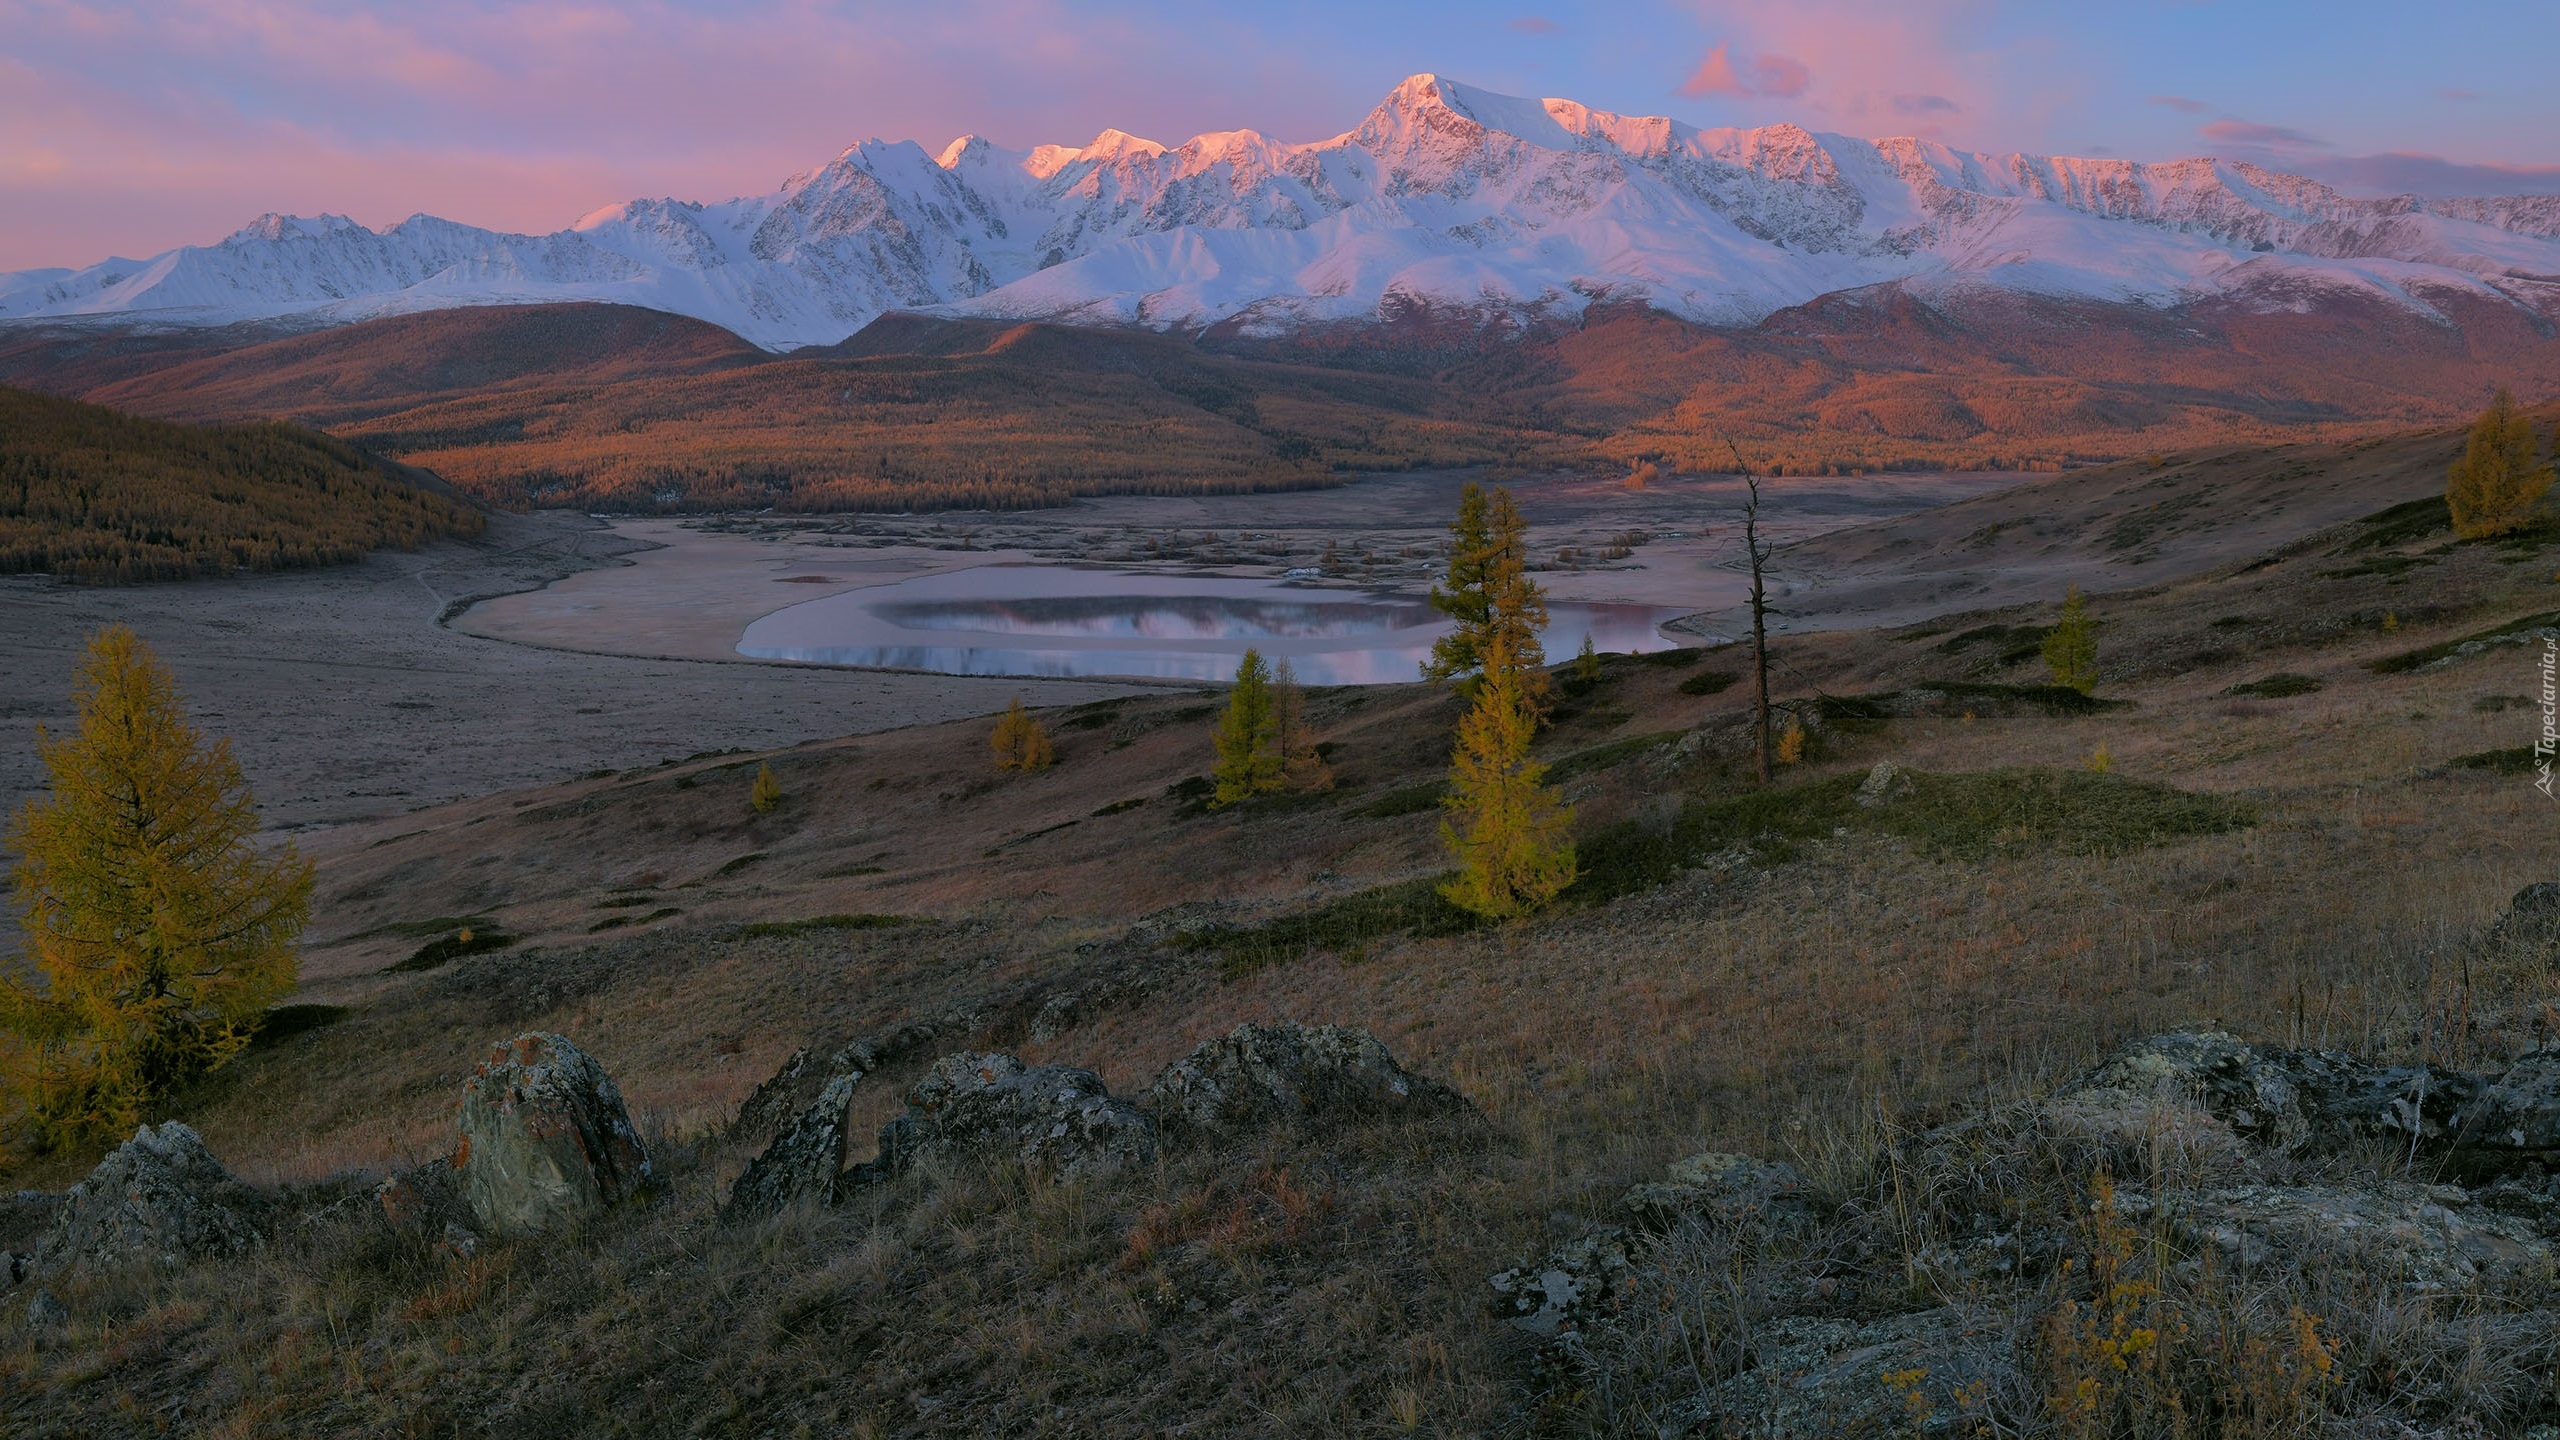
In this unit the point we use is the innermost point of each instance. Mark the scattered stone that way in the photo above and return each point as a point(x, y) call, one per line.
point(1261, 1075)
point(803, 1161)
point(1570, 1289)
point(44, 1312)
point(160, 1195)
point(1717, 1188)
point(459, 1241)
point(992, 1107)
point(545, 1138)
point(1884, 784)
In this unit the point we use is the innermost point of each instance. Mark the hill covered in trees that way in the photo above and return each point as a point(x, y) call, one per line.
point(605, 407)
point(95, 495)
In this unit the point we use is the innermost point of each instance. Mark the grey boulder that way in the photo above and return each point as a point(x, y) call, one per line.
point(546, 1139)
point(1572, 1288)
point(159, 1196)
point(802, 1163)
point(1261, 1075)
point(1054, 1118)
point(2279, 1099)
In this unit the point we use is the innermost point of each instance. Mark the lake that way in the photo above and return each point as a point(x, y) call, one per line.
point(1061, 620)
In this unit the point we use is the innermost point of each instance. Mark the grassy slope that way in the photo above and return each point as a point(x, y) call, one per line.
point(92, 494)
point(1779, 997)
point(607, 406)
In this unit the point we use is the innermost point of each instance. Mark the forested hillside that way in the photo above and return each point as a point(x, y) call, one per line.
point(94, 495)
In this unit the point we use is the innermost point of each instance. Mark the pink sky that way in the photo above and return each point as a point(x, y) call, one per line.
point(129, 127)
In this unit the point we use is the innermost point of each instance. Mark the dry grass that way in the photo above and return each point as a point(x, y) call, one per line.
point(1796, 1007)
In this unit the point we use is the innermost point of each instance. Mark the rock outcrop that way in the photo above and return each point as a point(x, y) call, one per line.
point(2533, 917)
point(804, 1162)
point(159, 1196)
point(1726, 1296)
point(2291, 1100)
point(1055, 1118)
point(1577, 1282)
point(546, 1140)
point(1259, 1075)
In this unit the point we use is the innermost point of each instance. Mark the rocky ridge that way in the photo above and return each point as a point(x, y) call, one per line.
point(1445, 197)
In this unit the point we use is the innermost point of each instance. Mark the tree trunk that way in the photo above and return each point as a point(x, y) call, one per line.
point(1759, 621)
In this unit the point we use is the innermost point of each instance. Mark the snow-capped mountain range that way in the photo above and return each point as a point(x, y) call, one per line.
point(1445, 197)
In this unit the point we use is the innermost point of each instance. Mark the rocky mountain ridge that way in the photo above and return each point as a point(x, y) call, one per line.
point(1445, 198)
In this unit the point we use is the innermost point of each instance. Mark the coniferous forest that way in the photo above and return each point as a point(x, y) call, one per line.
point(97, 496)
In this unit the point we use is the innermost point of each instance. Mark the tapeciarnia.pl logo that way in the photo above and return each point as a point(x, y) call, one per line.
point(2549, 740)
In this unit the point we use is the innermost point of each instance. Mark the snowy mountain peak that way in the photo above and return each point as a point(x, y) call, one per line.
point(1445, 195)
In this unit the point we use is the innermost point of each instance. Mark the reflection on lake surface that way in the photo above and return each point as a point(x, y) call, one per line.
point(1063, 621)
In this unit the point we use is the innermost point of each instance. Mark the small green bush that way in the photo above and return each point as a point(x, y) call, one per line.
point(2279, 685)
point(1709, 682)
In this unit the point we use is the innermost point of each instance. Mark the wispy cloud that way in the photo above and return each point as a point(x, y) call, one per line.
point(1778, 76)
point(2180, 103)
point(2249, 132)
point(1924, 105)
point(2411, 173)
point(1534, 25)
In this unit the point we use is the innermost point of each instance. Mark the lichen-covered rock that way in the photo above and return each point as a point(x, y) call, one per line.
point(2519, 1112)
point(2292, 1100)
point(1935, 1372)
point(1055, 1118)
point(1570, 1288)
point(1260, 1075)
point(773, 1102)
point(545, 1138)
point(803, 1161)
point(1884, 784)
point(159, 1196)
point(2429, 1237)
point(1718, 1188)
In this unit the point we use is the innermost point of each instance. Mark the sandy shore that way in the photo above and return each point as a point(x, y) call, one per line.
point(346, 699)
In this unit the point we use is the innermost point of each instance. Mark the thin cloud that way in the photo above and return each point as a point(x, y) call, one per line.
point(2180, 103)
point(1780, 76)
point(2411, 173)
point(2250, 132)
point(2457, 94)
point(1925, 105)
point(1535, 25)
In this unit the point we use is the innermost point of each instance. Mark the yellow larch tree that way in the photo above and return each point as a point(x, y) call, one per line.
point(159, 932)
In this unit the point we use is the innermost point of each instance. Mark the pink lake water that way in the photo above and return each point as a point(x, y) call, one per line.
point(1059, 620)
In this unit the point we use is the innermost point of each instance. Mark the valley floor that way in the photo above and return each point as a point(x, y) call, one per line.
point(2293, 812)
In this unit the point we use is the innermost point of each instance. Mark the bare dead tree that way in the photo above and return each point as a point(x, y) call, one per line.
point(1759, 557)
